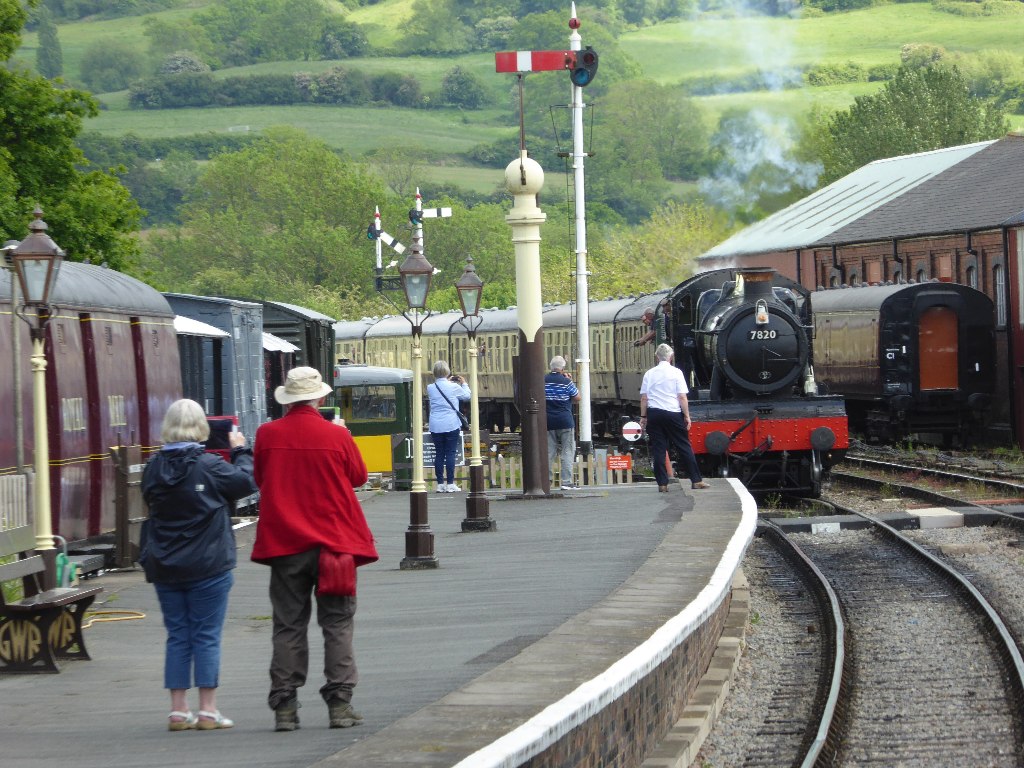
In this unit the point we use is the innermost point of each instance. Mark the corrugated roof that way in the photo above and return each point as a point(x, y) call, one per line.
point(984, 190)
point(820, 216)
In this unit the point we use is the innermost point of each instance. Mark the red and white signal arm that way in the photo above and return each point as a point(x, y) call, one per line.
point(631, 431)
point(534, 61)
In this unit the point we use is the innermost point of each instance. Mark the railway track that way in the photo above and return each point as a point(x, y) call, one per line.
point(933, 674)
point(799, 724)
point(935, 669)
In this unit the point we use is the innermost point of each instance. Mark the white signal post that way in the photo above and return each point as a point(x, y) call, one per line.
point(582, 290)
point(382, 283)
point(547, 61)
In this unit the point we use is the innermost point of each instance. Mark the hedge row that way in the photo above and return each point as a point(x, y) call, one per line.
point(334, 86)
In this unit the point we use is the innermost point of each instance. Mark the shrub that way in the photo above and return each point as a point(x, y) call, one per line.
point(461, 88)
point(182, 61)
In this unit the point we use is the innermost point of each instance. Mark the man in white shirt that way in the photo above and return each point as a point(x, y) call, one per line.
point(665, 415)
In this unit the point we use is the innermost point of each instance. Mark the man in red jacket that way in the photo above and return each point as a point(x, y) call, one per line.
point(311, 529)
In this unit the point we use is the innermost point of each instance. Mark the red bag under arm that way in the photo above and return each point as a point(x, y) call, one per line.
point(337, 574)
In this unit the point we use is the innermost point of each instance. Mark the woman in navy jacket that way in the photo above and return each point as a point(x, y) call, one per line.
point(188, 553)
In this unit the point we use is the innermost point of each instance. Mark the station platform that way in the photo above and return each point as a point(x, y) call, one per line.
point(597, 603)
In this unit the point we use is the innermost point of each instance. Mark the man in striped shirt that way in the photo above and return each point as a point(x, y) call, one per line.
point(559, 394)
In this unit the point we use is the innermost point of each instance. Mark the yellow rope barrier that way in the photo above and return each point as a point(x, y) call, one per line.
point(113, 616)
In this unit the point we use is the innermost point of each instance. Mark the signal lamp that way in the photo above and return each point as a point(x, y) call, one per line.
point(582, 74)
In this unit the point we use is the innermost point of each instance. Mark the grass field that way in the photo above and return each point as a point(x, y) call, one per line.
point(355, 129)
point(669, 53)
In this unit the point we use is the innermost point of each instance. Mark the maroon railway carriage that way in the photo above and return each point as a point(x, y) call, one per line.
point(112, 371)
point(910, 359)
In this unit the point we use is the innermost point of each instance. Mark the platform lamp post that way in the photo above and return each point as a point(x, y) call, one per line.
point(37, 262)
point(415, 274)
point(470, 288)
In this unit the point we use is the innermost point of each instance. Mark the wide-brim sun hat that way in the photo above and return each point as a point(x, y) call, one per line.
point(302, 383)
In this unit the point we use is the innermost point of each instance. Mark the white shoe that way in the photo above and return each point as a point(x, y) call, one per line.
point(442, 488)
point(453, 488)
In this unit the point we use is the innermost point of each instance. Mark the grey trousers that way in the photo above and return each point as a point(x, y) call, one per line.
point(292, 581)
point(561, 444)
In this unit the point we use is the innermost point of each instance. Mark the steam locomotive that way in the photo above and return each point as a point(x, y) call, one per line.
point(743, 338)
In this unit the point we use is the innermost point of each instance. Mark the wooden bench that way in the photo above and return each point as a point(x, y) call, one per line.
point(45, 625)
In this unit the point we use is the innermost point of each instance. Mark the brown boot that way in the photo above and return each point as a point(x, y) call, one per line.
point(286, 716)
point(342, 715)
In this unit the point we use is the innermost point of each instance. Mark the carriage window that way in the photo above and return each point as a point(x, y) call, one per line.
point(375, 402)
point(116, 410)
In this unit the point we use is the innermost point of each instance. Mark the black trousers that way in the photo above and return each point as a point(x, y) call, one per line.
point(665, 429)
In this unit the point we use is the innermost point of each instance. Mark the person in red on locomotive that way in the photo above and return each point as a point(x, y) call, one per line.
point(313, 534)
point(665, 415)
point(188, 553)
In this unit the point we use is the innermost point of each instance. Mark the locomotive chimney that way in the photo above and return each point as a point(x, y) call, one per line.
point(755, 283)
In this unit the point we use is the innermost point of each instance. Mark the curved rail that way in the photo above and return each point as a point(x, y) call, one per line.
point(1009, 652)
point(823, 744)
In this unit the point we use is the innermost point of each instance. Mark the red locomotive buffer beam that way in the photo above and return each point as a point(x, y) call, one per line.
point(770, 446)
point(534, 61)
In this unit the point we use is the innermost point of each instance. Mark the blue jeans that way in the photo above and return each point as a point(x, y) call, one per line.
point(446, 445)
point(194, 613)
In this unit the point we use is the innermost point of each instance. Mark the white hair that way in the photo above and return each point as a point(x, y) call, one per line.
point(663, 352)
point(185, 422)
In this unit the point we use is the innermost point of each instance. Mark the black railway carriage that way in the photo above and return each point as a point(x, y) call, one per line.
point(225, 375)
point(112, 372)
point(909, 358)
point(307, 329)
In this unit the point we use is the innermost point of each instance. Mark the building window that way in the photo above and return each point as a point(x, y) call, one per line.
point(874, 272)
point(999, 290)
point(921, 276)
point(972, 277)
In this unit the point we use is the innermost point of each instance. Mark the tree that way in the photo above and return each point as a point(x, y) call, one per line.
point(461, 88)
point(271, 221)
point(435, 28)
point(921, 109)
point(661, 252)
point(111, 65)
point(89, 212)
point(49, 57)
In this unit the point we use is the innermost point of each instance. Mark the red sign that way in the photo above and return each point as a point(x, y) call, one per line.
point(615, 461)
point(533, 61)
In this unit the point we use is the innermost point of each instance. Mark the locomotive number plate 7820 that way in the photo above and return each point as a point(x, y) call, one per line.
point(760, 334)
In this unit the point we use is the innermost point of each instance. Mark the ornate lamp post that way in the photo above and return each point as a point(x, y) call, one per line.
point(37, 263)
point(415, 274)
point(470, 288)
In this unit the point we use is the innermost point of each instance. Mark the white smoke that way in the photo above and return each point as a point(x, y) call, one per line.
point(756, 153)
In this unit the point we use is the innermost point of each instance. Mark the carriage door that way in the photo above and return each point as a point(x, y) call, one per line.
point(937, 349)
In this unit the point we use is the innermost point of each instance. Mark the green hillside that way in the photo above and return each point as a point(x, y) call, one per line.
point(669, 53)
